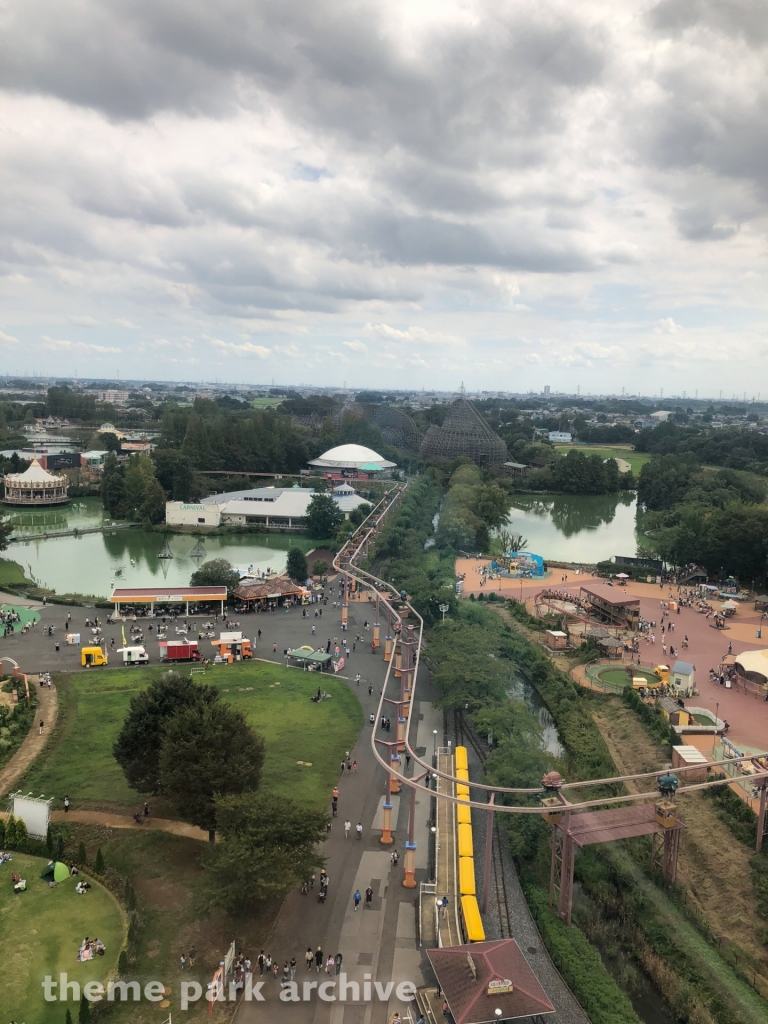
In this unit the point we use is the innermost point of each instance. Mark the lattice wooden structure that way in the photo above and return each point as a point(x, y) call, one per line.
point(464, 432)
point(397, 428)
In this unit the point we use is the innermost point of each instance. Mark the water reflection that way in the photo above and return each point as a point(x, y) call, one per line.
point(521, 689)
point(576, 528)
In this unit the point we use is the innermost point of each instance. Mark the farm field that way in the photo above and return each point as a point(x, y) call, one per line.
point(635, 459)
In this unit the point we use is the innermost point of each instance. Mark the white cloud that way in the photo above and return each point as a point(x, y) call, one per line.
point(356, 346)
point(127, 324)
point(64, 345)
point(8, 339)
point(667, 325)
point(84, 321)
point(246, 348)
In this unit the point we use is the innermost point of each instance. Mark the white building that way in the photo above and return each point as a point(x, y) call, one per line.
point(274, 508)
point(560, 436)
point(181, 513)
point(352, 459)
point(112, 397)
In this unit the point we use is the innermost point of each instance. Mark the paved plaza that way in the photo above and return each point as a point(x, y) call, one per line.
point(746, 714)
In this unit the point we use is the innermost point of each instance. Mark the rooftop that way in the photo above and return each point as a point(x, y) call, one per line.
point(610, 595)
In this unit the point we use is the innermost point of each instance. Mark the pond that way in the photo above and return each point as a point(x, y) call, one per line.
point(576, 527)
point(92, 563)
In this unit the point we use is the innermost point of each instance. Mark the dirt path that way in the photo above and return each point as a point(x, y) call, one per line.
point(176, 828)
point(48, 711)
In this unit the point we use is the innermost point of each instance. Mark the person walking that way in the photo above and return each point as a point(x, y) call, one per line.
point(347, 827)
point(395, 858)
point(260, 961)
point(330, 964)
point(354, 767)
point(357, 897)
point(368, 897)
point(359, 830)
point(293, 967)
point(66, 804)
point(337, 963)
point(183, 962)
point(319, 958)
point(42, 726)
point(309, 957)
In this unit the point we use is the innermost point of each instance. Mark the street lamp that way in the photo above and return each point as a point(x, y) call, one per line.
point(443, 608)
point(434, 743)
point(717, 716)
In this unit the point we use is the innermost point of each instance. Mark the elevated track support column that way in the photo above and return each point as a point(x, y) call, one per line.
point(409, 861)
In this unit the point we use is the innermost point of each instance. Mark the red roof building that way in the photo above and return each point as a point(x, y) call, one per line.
point(479, 979)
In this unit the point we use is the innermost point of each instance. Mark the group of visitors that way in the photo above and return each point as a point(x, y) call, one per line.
point(89, 948)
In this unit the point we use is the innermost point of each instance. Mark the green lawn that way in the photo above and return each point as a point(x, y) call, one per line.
point(11, 573)
point(265, 403)
point(41, 931)
point(275, 700)
point(635, 459)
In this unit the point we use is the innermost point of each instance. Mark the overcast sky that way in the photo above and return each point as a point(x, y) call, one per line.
point(414, 193)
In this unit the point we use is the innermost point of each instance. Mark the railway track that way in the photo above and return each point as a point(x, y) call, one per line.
point(465, 736)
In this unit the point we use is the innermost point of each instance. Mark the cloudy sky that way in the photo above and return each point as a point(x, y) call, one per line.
point(413, 193)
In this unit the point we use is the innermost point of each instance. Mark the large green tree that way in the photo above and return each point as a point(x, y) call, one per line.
point(208, 751)
point(137, 747)
point(323, 516)
point(268, 845)
point(216, 572)
point(296, 566)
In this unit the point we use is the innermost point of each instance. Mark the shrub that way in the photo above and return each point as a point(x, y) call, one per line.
point(82, 857)
point(98, 864)
point(10, 831)
point(122, 964)
point(580, 965)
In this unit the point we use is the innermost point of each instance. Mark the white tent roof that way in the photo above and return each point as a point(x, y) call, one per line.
point(350, 456)
point(754, 661)
point(34, 473)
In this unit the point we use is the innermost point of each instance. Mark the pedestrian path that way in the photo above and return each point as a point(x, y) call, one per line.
point(34, 742)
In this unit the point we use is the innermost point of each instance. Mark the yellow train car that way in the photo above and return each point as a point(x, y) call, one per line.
point(467, 876)
point(466, 848)
point(473, 923)
point(460, 757)
point(463, 814)
point(463, 774)
point(462, 791)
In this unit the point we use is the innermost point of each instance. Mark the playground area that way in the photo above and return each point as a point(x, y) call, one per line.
point(42, 934)
point(518, 565)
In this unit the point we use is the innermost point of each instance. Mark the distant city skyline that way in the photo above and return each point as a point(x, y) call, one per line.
point(406, 193)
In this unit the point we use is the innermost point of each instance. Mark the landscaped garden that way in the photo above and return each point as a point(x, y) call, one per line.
point(304, 740)
point(42, 930)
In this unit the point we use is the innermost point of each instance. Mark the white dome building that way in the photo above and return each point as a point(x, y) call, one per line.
point(352, 459)
point(35, 486)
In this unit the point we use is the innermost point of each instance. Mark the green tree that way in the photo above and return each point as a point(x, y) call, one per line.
point(68, 1017)
point(98, 864)
point(319, 567)
point(59, 846)
point(360, 514)
point(153, 505)
point(82, 856)
point(10, 831)
point(122, 964)
point(664, 481)
point(208, 751)
point(49, 841)
point(268, 844)
point(323, 516)
point(113, 487)
point(137, 747)
point(84, 1016)
point(297, 565)
point(5, 532)
point(217, 572)
point(109, 442)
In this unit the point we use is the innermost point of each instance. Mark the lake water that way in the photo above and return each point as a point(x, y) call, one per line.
point(568, 528)
point(89, 563)
point(576, 528)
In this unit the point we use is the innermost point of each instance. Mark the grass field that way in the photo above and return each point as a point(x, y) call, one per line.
point(41, 931)
point(11, 573)
point(265, 403)
point(635, 459)
point(275, 700)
